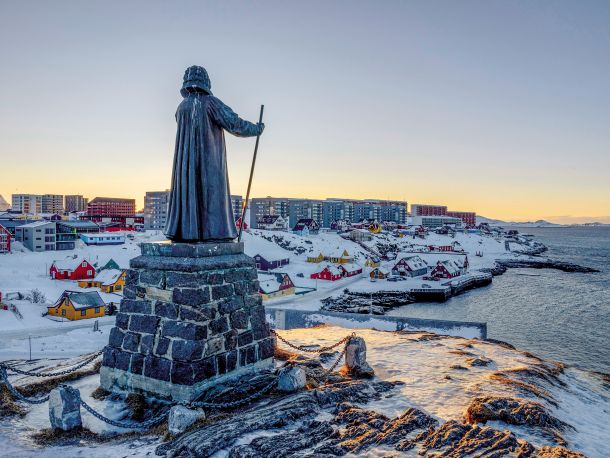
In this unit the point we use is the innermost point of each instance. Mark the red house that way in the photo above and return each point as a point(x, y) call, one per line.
point(329, 272)
point(71, 269)
point(5, 240)
point(446, 269)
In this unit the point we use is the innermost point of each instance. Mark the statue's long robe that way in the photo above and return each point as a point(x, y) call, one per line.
point(200, 203)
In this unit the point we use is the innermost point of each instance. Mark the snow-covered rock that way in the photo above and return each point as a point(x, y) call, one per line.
point(355, 358)
point(180, 418)
point(291, 378)
point(64, 409)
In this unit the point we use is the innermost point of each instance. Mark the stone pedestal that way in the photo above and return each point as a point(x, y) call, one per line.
point(191, 317)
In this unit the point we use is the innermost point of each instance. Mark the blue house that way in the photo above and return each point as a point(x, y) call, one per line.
point(103, 238)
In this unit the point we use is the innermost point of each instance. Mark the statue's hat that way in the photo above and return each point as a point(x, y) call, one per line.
point(196, 77)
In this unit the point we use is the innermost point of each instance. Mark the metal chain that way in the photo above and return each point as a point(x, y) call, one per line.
point(51, 374)
point(16, 394)
point(119, 424)
point(231, 404)
point(319, 350)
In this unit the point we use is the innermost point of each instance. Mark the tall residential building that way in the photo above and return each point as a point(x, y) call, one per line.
point(75, 203)
point(52, 203)
point(428, 210)
point(305, 209)
point(37, 236)
point(111, 206)
point(237, 203)
point(261, 206)
point(468, 218)
point(30, 204)
point(155, 209)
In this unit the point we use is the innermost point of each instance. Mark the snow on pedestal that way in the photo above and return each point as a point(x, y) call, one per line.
point(64, 409)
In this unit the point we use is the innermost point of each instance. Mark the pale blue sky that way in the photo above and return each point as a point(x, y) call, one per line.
point(498, 107)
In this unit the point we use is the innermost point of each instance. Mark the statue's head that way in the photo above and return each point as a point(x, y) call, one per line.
point(196, 79)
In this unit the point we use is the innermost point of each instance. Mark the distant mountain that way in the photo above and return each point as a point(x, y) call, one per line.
point(497, 222)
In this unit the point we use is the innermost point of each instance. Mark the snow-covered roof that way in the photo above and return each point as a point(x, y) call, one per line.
point(350, 266)
point(415, 262)
point(37, 224)
point(82, 299)
point(335, 270)
point(270, 283)
point(68, 264)
point(108, 276)
point(451, 266)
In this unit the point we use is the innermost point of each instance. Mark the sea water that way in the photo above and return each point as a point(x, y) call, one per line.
point(558, 315)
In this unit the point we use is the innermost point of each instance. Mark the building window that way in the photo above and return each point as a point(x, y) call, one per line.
point(117, 287)
point(97, 310)
point(63, 312)
point(84, 264)
point(89, 272)
point(83, 312)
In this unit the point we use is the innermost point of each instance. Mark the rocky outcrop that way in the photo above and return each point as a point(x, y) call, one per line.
point(515, 412)
point(455, 439)
point(376, 303)
point(534, 263)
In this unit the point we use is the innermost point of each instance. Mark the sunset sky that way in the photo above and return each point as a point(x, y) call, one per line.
point(500, 107)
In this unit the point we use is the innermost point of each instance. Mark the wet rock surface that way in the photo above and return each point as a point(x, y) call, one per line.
point(376, 303)
point(545, 264)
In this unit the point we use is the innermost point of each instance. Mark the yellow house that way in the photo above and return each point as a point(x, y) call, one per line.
point(76, 305)
point(372, 262)
point(340, 257)
point(275, 285)
point(317, 259)
point(109, 281)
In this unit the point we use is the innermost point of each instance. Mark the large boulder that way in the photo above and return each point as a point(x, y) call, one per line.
point(291, 378)
point(64, 408)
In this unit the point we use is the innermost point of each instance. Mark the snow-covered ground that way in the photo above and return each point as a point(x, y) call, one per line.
point(438, 379)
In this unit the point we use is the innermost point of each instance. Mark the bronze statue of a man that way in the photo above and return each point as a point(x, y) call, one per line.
point(200, 200)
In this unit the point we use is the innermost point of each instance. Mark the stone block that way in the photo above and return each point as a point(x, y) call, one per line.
point(247, 355)
point(147, 343)
point(222, 291)
point(191, 296)
point(192, 264)
point(109, 357)
point(219, 325)
point(129, 292)
point(122, 360)
point(157, 368)
point(214, 278)
point(231, 339)
point(266, 348)
point(64, 409)
point(181, 418)
point(214, 345)
point(187, 350)
point(182, 280)
point(144, 323)
point(131, 277)
point(182, 373)
point(122, 321)
point(131, 341)
point(115, 339)
point(186, 331)
point(203, 313)
point(162, 346)
point(205, 368)
point(291, 378)
point(239, 319)
point(231, 360)
point(137, 363)
point(136, 306)
point(230, 305)
point(166, 310)
point(245, 338)
point(152, 278)
point(158, 294)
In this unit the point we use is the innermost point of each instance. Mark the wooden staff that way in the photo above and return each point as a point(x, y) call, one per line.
point(243, 213)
